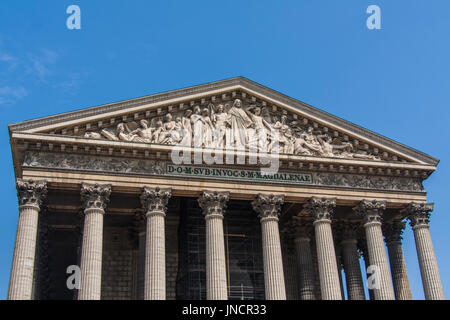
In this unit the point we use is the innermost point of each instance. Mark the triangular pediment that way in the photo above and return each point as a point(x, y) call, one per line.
point(212, 112)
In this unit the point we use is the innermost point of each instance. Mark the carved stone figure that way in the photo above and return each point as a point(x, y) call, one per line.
point(124, 133)
point(93, 135)
point(300, 147)
point(239, 124)
point(253, 127)
point(222, 123)
point(158, 134)
point(311, 141)
point(197, 127)
point(146, 132)
point(285, 139)
point(177, 134)
point(207, 129)
point(186, 129)
point(261, 127)
point(165, 135)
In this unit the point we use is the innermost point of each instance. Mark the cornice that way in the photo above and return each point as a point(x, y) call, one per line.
point(126, 106)
point(61, 144)
point(215, 88)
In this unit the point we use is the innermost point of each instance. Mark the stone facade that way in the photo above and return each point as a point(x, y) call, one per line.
point(102, 189)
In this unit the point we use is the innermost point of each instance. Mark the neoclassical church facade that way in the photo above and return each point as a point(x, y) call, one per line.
point(227, 190)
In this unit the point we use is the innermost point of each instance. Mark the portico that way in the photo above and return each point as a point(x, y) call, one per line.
point(101, 188)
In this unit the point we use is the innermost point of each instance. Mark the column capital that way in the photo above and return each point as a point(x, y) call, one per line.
point(154, 201)
point(419, 214)
point(371, 211)
point(95, 196)
point(213, 203)
point(393, 230)
point(303, 228)
point(321, 208)
point(268, 205)
point(31, 192)
point(347, 231)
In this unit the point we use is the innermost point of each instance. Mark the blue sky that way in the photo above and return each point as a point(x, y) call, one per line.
point(394, 81)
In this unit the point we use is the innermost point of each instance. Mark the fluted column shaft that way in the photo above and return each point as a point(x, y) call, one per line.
point(140, 229)
point(428, 266)
point(290, 270)
point(155, 257)
point(362, 245)
point(326, 257)
point(154, 202)
point(419, 215)
point(215, 259)
point(269, 207)
point(21, 283)
point(321, 209)
point(94, 198)
point(393, 237)
point(339, 268)
point(398, 269)
point(141, 265)
point(213, 205)
point(352, 269)
point(377, 254)
point(273, 263)
point(91, 256)
point(305, 268)
point(30, 196)
point(372, 212)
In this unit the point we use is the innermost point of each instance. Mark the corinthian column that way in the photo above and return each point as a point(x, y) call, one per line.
point(393, 236)
point(154, 202)
point(268, 207)
point(371, 212)
point(419, 216)
point(362, 247)
point(94, 199)
point(303, 232)
point(350, 258)
point(30, 194)
point(213, 204)
point(321, 209)
point(140, 228)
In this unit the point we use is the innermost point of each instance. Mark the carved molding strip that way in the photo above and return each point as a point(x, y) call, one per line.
point(93, 163)
point(101, 164)
point(117, 106)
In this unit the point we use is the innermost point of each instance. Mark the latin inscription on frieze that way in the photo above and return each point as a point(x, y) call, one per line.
point(238, 174)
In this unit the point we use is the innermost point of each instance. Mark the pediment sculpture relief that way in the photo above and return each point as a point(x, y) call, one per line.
point(233, 125)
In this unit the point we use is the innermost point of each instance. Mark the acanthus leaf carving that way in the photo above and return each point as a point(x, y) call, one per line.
point(393, 230)
point(213, 202)
point(155, 200)
point(371, 210)
point(419, 214)
point(31, 192)
point(95, 196)
point(268, 205)
point(320, 208)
